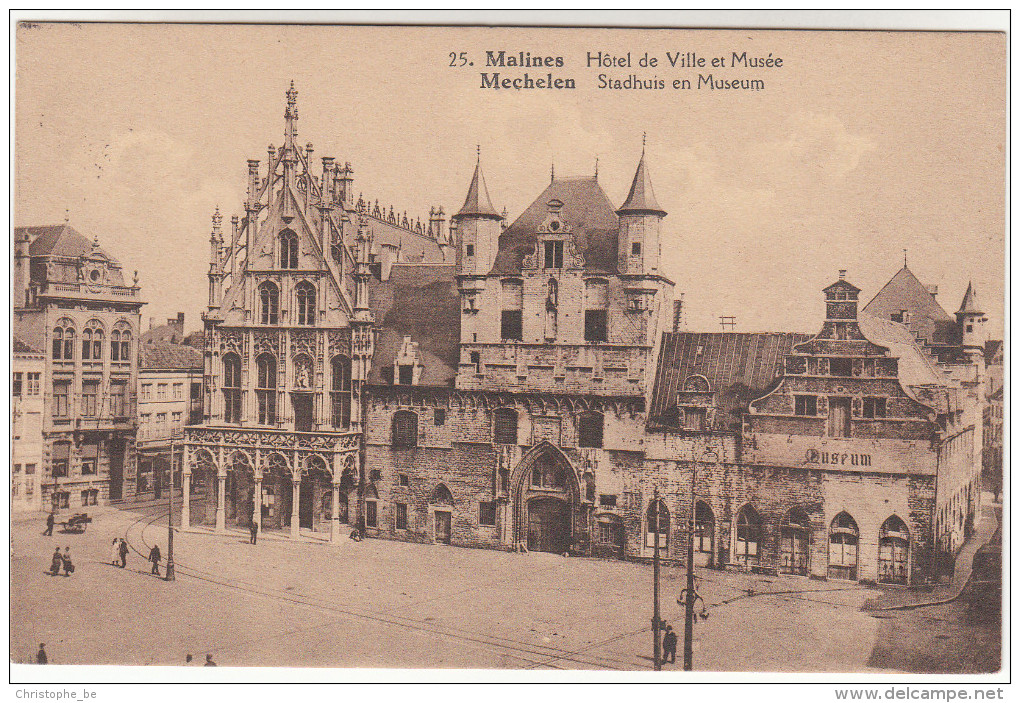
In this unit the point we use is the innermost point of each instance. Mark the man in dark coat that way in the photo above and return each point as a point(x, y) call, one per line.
point(56, 563)
point(154, 557)
point(669, 646)
point(254, 530)
point(209, 661)
point(40, 656)
point(49, 525)
point(123, 548)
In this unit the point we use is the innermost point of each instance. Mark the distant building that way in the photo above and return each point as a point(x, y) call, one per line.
point(71, 301)
point(28, 379)
point(169, 398)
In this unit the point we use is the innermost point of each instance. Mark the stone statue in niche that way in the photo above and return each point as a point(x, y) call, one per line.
point(303, 372)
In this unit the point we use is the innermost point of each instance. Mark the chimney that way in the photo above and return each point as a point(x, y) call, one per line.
point(933, 290)
point(842, 274)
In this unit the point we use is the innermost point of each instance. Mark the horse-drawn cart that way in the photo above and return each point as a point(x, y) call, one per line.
point(76, 523)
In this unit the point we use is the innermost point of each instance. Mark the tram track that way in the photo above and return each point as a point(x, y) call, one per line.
point(534, 655)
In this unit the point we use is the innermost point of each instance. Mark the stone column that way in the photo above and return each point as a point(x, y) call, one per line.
point(334, 521)
point(186, 500)
point(295, 517)
point(257, 500)
point(221, 503)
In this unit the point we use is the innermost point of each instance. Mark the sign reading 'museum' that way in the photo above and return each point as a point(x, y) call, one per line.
point(813, 456)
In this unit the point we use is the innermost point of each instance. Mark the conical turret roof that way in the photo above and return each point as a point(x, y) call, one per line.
point(477, 203)
point(641, 198)
point(970, 303)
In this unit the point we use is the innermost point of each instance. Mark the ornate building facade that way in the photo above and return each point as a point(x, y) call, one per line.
point(519, 385)
point(71, 301)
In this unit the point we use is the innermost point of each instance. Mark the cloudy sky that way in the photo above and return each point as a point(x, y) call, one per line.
point(861, 145)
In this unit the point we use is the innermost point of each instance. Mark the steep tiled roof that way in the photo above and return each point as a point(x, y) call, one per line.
point(916, 367)
point(641, 197)
point(413, 246)
point(57, 240)
point(477, 201)
point(969, 304)
point(422, 302)
point(739, 366)
point(993, 351)
point(163, 355)
point(586, 209)
point(927, 318)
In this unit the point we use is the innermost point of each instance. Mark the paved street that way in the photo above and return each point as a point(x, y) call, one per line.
point(380, 603)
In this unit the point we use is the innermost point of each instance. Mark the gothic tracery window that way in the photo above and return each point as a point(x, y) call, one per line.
point(288, 250)
point(269, 297)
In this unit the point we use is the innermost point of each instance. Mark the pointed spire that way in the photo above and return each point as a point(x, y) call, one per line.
point(552, 171)
point(641, 199)
point(477, 203)
point(970, 303)
point(291, 115)
point(904, 258)
point(596, 167)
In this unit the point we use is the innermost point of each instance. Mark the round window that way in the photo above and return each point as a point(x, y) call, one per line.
point(94, 276)
point(554, 225)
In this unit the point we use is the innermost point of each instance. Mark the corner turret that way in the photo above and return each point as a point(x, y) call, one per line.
point(478, 228)
point(640, 225)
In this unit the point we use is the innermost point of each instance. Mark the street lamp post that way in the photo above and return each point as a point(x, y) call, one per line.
point(657, 643)
point(689, 604)
point(170, 574)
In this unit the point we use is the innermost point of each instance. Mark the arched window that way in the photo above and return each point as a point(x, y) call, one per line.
point(657, 520)
point(795, 534)
point(231, 388)
point(305, 303)
point(843, 541)
point(704, 528)
point(63, 340)
point(265, 389)
point(893, 551)
point(288, 250)
point(120, 343)
point(589, 429)
point(269, 295)
point(505, 426)
point(441, 496)
point(748, 536)
point(340, 391)
point(405, 429)
point(92, 341)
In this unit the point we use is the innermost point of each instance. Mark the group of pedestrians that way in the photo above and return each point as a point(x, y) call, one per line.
point(61, 561)
point(119, 552)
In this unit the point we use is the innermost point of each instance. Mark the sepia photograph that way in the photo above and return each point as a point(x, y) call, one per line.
point(483, 350)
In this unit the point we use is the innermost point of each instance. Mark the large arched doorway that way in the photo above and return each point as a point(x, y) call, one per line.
point(315, 505)
point(795, 538)
point(893, 551)
point(704, 534)
point(749, 536)
point(278, 493)
point(240, 490)
point(546, 497)
point(204, 484)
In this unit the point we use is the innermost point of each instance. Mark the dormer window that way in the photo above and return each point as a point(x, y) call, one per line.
point(553, 254)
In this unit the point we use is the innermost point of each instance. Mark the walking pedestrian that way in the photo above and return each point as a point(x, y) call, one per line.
point(115, 552)
point(123, 552)
point(254, 530)
point(56, 562)
point(49, 525)
point(187, 659)
point(66, 559)
point(669, 646)
point(40, 656)
point(209, 661)
point(154, 557)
